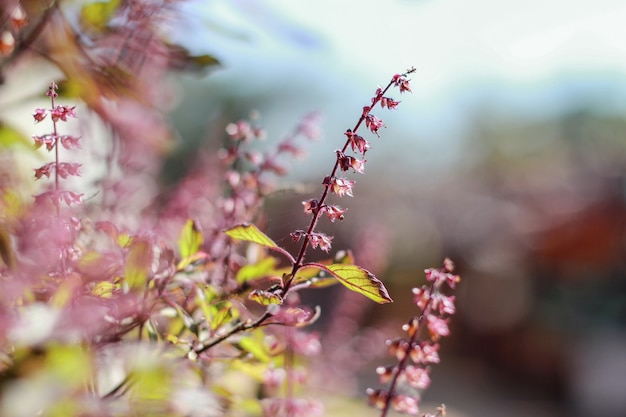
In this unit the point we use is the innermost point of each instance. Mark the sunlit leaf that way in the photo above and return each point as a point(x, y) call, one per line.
point(70, 364)
point(222, 313)
point(95, 17)
point(261, 269)
point(265, 298)
point(190, 239)
point(151, 382)
point(319, 278)
point(254, 346)
point(11, 203)
point(10, 138)
point(123, 239)
point(358, 280)
point(105, 289)
point(250, 233)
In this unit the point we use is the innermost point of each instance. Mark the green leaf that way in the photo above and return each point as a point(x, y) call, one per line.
point(261, 269)
point(95, 17)
point(265, 298)
point(190, 239)
point(319, 278)
point(10, 138)
point(358, 280)
point(255, 346)
point(71, 365)
point(105, 289)
point(250, 233)
point(220, 314)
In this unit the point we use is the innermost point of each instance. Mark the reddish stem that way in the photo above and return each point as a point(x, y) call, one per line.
point(317, 213)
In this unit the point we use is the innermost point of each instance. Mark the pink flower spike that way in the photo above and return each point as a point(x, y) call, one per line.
point(63, 113)
point(70, 197)
point(417, 377)
point(421, 297)
point(321, 240)
point(310, 206)
point(334, 213)
point(70, 142)
point(425, 353)
point(439, 277)
point(310, 126)
point(346, 162)
point(44, 170)
point(49, 140)
point(443, 304)
point(373, 123)
point(340, 186)
point(406, 404)
point(437, 326)
point(289, 147)
point(402, 82)
point(357, 142)
point(271, 165)
point(389, 103)
point(297, 235)
point(52, 90)
point(39, 115)
point(66, 169)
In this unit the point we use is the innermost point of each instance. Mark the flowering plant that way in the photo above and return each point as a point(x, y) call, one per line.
point(177, 302)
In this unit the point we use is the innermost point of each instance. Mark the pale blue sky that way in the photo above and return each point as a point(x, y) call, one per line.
point(529, 58)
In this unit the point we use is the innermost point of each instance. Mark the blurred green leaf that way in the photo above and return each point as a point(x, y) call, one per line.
point(95, 17)
point(10, 138)
point(105, 289)
point(250, 233)
point(190, 239)
point(70, 364)
point(261, 269)
point(255, 346)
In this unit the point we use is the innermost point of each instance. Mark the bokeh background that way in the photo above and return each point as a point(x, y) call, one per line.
point(508, 157)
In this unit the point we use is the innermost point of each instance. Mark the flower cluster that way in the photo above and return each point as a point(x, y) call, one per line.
point(51, 200)
point(51, 141)
point(341, 186)
point(249, 171)
point(420, 350)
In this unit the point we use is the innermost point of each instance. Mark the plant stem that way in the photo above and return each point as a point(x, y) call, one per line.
point(414, 338)
point(317, 213)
